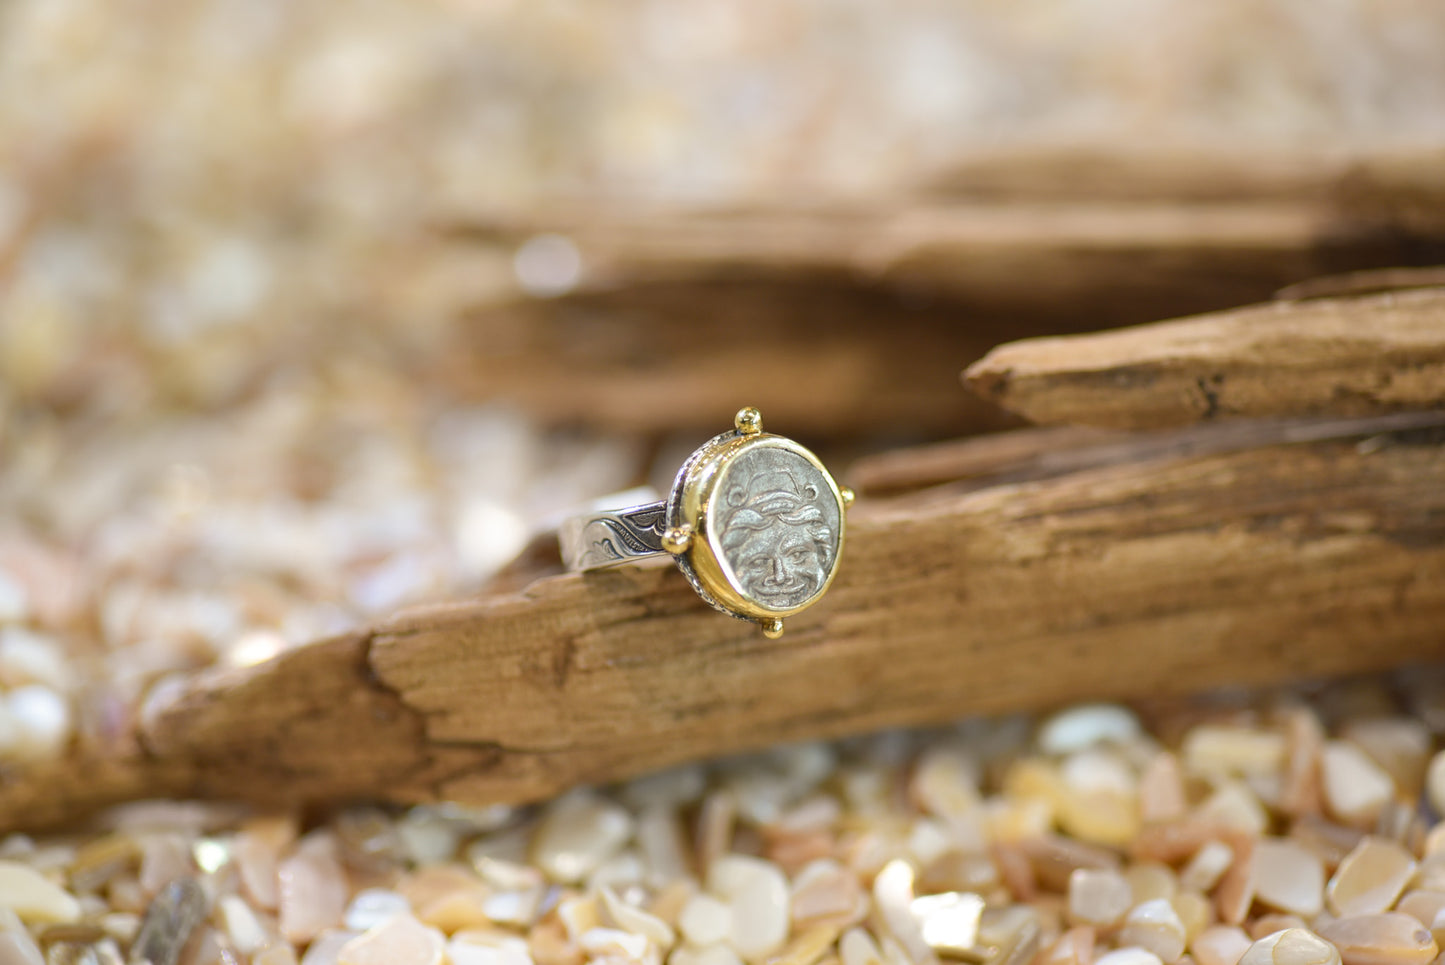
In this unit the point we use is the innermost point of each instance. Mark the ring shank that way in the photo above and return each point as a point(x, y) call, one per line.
point(613, 537)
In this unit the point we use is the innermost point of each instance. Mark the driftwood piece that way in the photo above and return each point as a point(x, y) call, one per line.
point(1333, 357)
point(853, 317)
point(1136, 577)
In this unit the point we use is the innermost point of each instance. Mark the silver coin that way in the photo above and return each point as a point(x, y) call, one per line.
point(776, 520)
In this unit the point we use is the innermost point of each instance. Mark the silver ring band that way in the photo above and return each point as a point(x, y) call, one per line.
point(612, 537)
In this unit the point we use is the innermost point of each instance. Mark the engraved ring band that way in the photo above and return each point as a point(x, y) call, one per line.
point(754, 521)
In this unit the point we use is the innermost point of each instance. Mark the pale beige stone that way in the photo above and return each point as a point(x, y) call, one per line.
point(312, 889)
point(519, 908)
point(1235, 892)
point(241, 925)
point(826, 891)
point(756, 892)
point(481, 947)
point(1207, 866)
point(613, 943)
point(371, 907)
point(1149, 880)
point(807, 947)
point(1356, 788)
point(1213, 750)
point(893, 901)
point(1085, 726)
point(949, 922)
point(945, 782)
point(278, 954)
point(1435, 782)
point(1423, 906)
point(1128, 956)
point(1291, 946)
point(719, 954)
point(1266, 925)
point(33, 897)
point(18, 948)
point(1220, 945)
point(1233, 805)
point(325, 948)
point(400, 940)
point(1400, 745)
point(662, 843)
point(631, 918)
point(1287, 877)
point(1300, 791)
point(1098, 897)
point(857, 947)
point(1073, 947)
point(257, 851)
point(1370, 878)
point(579, 832)
point(164, 858)
point(1161, 789)
point(705, 920)
point(1389, 938)
point(1154, 925)
point(1194, 910)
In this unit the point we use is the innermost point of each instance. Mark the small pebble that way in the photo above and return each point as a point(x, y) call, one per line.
point(1390, 938)
point(400, 940)
point(578, 833)
point(631, 918)
point(949, 922)
point(1085, 726)
point(1356, 788)
point(1288, 877)
point(857, 947)
point(18, 948)
point(1291, 946)
point(1154, 925)
point(33, 897)
point(1370, 878)
point(1098, 897)
point(1207, 866)
point(312, 890)
point(1435, 783)
point(1216, 750)
point(756, 893)
point(1129, 956)
point(374, 906)
point(1220, 945)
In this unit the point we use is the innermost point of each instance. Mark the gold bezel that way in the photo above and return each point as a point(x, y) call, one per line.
point(694, 503)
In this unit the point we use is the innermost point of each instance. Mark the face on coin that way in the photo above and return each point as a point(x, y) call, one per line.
point(776, 518)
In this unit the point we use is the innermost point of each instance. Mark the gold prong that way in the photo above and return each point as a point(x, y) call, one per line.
point(848, 496)
point(772, 629)
point(677, 540)
point(749, 421)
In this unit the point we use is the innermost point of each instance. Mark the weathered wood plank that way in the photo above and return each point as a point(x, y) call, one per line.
point(1144, 577)
point(1325, 357)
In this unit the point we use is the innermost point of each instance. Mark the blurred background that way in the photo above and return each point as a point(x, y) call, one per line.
point(309, 311)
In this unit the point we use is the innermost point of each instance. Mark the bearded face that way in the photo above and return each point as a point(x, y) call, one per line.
point(780, 565)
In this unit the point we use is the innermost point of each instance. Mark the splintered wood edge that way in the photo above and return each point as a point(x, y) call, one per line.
point(1129, 580)
point(1326, 357)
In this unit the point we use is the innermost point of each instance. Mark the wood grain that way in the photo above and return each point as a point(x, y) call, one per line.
point(853, 317)
point(1144, 577)
point(1324, 357)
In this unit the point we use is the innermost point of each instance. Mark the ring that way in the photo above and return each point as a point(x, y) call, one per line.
point(754, 521)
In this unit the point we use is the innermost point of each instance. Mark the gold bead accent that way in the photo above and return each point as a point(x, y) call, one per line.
point(749, 421)
point(848, 496)
point(677, 540)
point(772, 629)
